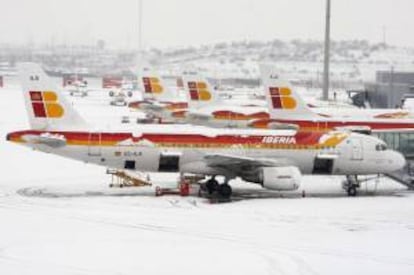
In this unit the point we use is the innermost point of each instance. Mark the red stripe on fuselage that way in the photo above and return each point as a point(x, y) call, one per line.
point(302, 138)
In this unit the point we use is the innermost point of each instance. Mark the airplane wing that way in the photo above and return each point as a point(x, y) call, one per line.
point(357, 129)
point(240, 164)
point(199, 116)
point(154, 106)
point(272, 124)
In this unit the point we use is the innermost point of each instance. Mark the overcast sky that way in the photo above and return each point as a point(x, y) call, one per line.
point(192, 22)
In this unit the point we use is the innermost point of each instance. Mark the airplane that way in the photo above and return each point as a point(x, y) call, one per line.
point(286, 106)
point(198, 88)
point(203, 105)
point(77, 87)
point(119, 95)
point(161, 97)
point(157, 97)
point(223, 114)
point(206, 108)
point(275, 159)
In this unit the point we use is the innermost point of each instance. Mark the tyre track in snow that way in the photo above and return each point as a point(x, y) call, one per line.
point(241, 241)
point(270, 257)
point(30, 266)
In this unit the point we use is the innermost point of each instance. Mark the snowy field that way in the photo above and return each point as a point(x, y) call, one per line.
point(58, 216)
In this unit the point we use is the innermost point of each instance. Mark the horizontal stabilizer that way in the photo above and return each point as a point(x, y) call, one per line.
point(51, 140)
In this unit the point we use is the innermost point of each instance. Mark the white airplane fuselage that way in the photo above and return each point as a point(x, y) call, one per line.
point(143, 150)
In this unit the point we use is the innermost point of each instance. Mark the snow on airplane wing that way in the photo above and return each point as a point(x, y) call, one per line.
point(155, 106)
point(233, 162)
point(199, 116)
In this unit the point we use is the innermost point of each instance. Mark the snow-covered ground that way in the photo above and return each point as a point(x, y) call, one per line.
point(58, 216)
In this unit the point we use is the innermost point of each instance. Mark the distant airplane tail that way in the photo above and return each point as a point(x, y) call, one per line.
point(46, 106)
point(153, 86)
point(282, 100)
point(198, 91)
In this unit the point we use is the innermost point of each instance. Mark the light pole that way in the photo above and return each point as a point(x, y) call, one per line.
point(140, 5)
point(140, 13)
point(327, 51)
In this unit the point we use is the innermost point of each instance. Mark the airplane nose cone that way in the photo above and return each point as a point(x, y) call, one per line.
point(398, 161)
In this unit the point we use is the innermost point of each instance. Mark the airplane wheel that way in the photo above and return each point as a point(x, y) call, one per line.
point(225, 190)
point(352, 191)
point(212, 185)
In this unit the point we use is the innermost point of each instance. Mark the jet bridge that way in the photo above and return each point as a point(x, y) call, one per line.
point(404, 176)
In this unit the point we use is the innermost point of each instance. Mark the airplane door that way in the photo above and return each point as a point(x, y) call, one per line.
point(94, 144)
point(357, 149)
point(169, 162)
point(323, 166)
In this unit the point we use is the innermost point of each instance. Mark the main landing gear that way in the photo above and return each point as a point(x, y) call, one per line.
point(351, 185)
point(223, 190)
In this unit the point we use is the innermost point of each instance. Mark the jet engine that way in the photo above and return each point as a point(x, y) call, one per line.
point(280, 178)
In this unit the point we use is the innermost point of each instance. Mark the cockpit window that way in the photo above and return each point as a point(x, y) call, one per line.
point(381, 147)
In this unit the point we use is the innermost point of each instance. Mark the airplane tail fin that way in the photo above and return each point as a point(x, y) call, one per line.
point(46, 106)
point(282, 100)
point(198, 90)
point(154, 87)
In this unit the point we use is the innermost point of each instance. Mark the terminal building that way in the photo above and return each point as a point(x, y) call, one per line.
point(390, 89)
point(400, 141)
